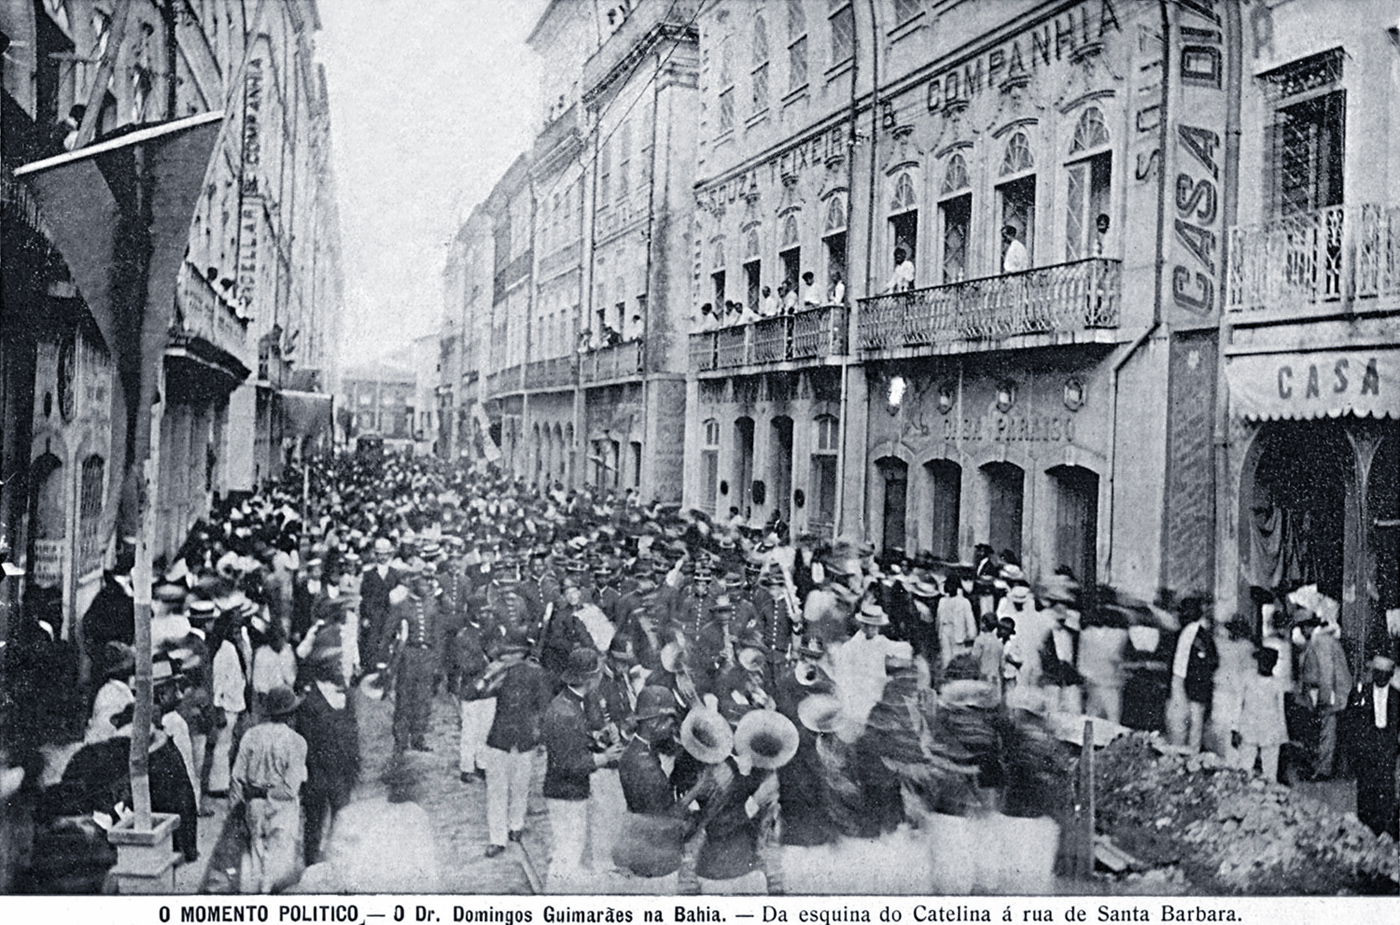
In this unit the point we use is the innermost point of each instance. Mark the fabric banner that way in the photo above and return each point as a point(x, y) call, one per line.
point(306, 413)
point(1302, 386)
point(488, 446)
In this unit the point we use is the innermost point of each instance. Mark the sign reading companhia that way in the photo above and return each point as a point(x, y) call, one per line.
point(1016, 58)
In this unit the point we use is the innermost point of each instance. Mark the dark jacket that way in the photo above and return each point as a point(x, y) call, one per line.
point(332, 746)
point(569, 747)
point(521, 701)
point(645, 785)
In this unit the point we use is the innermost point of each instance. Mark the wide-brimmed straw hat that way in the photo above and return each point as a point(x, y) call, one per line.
point(707, 736)
point(765, 739)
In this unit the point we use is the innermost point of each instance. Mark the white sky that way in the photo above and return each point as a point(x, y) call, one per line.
point(431, 100)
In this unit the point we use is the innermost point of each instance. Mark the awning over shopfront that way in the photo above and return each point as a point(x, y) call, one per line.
point(307, 414)
point(1323, 384)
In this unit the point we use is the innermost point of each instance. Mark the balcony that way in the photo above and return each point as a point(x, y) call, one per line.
point(553, 373)
point(1067, 298)
point(1343, 258)
point(809, 335)
point(206, 314)
point(620, 361)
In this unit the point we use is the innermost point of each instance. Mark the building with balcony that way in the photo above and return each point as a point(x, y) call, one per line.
point(1310, 491)
point(107, 294)
point(770, 263)
point(583, 362)
point(987, 348)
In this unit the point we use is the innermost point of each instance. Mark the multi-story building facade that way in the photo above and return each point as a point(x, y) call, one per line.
point(256, 255)
point(1088, 355)
point(999, 187)
point(584, 378)
point(226, 105)
point(381, 399)
point(1310, 486)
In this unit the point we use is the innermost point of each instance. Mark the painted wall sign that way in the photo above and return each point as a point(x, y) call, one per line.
point(1196, 155)
point(994, 428)
point(1019, 57)
point(809, 152)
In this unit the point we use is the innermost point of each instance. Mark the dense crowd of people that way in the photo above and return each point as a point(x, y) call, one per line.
point(712, 702)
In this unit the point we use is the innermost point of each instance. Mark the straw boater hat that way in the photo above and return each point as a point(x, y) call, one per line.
point(872, 614)
point(706, 735)
point(764, 739)
point(820, 712)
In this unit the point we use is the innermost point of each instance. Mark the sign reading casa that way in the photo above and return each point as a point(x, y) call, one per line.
point(1323, 384)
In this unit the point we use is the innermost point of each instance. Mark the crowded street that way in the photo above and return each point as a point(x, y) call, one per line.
point(699, 448)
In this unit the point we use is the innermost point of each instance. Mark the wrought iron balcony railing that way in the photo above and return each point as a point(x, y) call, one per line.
point(207, 314)
point(1078, 296)
point(1316, 261)
point(553, 373)
point(620, 361)
point(808, 335)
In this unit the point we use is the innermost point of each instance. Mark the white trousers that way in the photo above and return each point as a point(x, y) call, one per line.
point(607, 814)
point(568, 821)
point(219, 766)
point(507, 791)
point(477, 716)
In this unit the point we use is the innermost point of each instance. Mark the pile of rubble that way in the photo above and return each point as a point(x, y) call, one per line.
point(1229, 832)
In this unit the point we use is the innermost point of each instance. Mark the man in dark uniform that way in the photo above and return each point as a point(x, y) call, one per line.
point(520, 689)
point(572, 759)
point(456, 589)
point(415, 621)
point(703, 626)
point(541, 586)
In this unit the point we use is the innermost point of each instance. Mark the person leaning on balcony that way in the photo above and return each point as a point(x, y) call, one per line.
point(1014, 256)
point(812, 295)
point(836, 295)
point(748, 313)
point(902, 280)
point(788, 291)
point(768, 307)
point(706, 321)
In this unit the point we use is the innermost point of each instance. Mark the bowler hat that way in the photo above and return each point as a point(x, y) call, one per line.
point(583, 665)
point(280, 701)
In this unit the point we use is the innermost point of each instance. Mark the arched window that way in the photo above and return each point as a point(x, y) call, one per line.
point(1018, 155)
point(904, 197)
point(1090, 132)
point(1088, 188)
point(789, 238)
point(955, 219)
point(751, 250)
point(955, 177)
point(718, 262)
point(835, 216)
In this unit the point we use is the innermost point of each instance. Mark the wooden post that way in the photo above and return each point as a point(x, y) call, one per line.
point(1085, 861)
